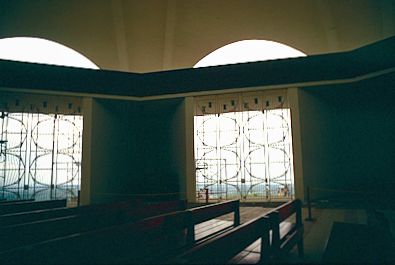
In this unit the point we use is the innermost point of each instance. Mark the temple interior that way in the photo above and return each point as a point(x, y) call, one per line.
point(144, 119)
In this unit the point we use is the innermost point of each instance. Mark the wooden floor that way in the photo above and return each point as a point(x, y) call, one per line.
point(316, 232)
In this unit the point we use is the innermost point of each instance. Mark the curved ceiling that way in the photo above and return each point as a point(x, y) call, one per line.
point(155, 35)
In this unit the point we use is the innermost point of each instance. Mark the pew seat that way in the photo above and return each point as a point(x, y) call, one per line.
point(242, 244)
point(210, 227)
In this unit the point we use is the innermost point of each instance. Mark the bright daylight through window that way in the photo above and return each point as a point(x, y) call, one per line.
point(243, 141)
point(41, 141)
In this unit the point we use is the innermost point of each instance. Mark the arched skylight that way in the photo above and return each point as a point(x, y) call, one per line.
point(249, 51)
point(37, 50)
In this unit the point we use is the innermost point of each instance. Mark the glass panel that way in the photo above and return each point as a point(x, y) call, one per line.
point(40, 155)
point(246, 155)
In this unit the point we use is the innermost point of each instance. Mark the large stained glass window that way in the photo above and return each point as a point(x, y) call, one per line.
point(243, 147)
point(40, 155)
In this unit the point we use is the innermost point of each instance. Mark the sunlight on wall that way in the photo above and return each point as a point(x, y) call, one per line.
point(36, 50)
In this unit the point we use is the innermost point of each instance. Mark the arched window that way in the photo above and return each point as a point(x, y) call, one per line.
point(40, 136)
point(243, 141)
point(249, 51)
point(37, 50)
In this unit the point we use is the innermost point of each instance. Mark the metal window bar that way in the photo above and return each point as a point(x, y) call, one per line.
point(24, 165)
point(247, 182)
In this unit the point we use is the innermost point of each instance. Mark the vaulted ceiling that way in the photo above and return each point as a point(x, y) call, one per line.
point(155, 35)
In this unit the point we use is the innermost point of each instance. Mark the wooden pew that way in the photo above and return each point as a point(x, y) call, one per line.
point(92, 218)
point(133, 242)
point(131, 207)
point(278, 235)
point(145, 241)
point(230, 246)
point(23, 234)
point(30, 206)
point(127, 243)
point(286, 233)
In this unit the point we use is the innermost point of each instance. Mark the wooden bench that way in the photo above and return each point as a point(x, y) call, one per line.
point(232, 246)
point(239, 245)
point(30, 206)
point(100, 216)
point(286, 233)
point(145, 241)
point(23, 234)
point(134, 242)
point(134, 209)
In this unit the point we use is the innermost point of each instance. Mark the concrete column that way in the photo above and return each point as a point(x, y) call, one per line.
point(293, 99)
point(189, 150)
point(86, 165)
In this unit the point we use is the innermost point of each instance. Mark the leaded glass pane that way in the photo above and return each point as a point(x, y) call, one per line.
point(40, 155)
point(244, 154)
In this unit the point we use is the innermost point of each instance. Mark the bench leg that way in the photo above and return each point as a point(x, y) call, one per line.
point(265, 248)
point(300, 248)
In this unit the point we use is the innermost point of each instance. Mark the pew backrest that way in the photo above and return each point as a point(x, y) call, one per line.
point(2, 202)
point(21, 234)
point(31, 216)
point(157, 237)
point(129, 209)
point(211, 211)
point(286, 234)
point(145, 210)
point(13, 236)
point(288, 209)
point(207, 212)
point(15, 218)
point(30, 206)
